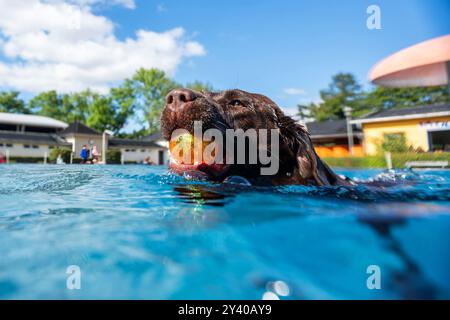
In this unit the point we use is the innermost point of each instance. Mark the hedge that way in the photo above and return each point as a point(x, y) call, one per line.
point(26, 160)
point(379, 161)
point(113, 156)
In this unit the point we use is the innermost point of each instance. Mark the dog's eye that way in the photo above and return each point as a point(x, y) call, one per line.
point(235, 103)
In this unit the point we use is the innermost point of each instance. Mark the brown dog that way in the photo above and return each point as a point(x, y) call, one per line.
point(237, 109)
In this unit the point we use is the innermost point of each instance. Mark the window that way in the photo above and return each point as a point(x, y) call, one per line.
point(9, 145)
point(133, 150)
point(142, 150)
point(39, 129)
point(35, 147)
point(51, 147)
point(127, 150)
point(8, 127)
point(1, 144)
point(439, 140)
point(26, 146)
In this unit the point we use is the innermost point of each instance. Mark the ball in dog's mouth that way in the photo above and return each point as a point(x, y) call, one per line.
point(189, 153)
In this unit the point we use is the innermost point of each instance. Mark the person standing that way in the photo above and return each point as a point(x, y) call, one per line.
point(84, 154)
point(95, 154)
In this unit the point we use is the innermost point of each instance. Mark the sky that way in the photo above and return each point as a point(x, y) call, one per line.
point(287, 50)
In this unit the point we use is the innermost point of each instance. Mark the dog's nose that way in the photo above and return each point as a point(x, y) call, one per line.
point(176, 99)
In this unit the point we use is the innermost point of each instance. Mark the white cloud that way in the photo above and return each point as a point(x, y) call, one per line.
point(59, 45)
point(294, 91)
point(291, 111)
point(130, 4)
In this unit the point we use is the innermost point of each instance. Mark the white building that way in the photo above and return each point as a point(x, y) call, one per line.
point(136, 150)
point(25, 137)
point(30, 138)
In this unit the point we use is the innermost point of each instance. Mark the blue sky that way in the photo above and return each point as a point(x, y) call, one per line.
point(270, 46)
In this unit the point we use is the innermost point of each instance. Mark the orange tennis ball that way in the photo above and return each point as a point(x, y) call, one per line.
point(184, 148)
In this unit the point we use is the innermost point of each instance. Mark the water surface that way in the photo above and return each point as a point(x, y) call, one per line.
point(139, 232)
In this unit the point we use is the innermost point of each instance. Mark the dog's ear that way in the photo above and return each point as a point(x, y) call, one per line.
point(310, 166)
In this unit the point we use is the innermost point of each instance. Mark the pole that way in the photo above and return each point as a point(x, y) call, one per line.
point(350, 136)
point(45, 157)
point(348, 116)
point(104, 146)
point(388, 157)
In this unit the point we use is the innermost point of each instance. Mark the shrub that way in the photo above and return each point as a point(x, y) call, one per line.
point(113, 156)
point(398, 160)
point(394, 142)
point(63, 152)
point(26, 160)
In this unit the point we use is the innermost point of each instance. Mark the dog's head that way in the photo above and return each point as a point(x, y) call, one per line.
point(237, 109)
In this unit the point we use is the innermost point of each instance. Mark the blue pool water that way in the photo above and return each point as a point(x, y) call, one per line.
point(140, 232)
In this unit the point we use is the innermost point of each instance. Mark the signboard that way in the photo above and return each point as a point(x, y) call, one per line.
point(435, 125)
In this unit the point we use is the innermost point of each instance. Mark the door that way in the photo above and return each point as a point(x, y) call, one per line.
point(161, 157)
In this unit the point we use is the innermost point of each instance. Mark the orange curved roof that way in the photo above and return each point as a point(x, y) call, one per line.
point(424, 64)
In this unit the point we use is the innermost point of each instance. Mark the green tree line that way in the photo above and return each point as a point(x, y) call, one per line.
point(344, 90)
point(139, 98)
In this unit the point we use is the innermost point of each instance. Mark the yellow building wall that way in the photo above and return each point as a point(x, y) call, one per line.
point(416, 136)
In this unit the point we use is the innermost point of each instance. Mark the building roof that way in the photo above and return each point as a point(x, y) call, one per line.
point(330, 128)
point(117, 142)
point(429, 111)
point(31, 137)
point(153, 137)
point(31, 120)
point(79, 128)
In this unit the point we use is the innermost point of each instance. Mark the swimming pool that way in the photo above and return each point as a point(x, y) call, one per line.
point(138, 232)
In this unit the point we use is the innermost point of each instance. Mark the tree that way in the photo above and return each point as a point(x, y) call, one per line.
point(109, 112)
point(101, 114)
point(135, 134)
point(200, 86)
point(122, 101)
point(149, 88)
point(76, 106)
point(10, 102)
point(49, 104)
point(142, 96)
point(396, 98)
point(65, 107)
point(344, 90)
point(304, 111)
